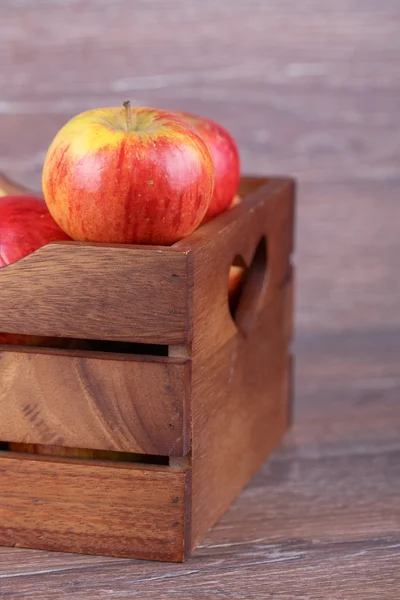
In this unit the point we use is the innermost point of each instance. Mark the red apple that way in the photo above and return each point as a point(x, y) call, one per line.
point(122, 175)
point(25, 226)
point(226, 160)
point(236, 274)
point(236, 277)
point(73, 452)
point(50, 450)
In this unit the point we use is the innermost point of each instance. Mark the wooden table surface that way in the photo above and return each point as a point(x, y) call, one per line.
point(310, 91)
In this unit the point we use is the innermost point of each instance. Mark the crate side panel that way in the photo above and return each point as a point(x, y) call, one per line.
point(240, 408)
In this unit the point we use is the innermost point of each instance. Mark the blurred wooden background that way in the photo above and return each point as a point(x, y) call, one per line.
point(309, 88)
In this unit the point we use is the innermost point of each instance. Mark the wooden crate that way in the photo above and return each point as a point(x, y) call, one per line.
point(205, 407)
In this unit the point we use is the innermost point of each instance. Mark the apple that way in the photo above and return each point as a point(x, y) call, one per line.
point(73, 452)
point(50, 450)
point(20, 339)
point(236, 273)
point(226, 160)
point(26, 225)
point(236, 277)
point(128, 175)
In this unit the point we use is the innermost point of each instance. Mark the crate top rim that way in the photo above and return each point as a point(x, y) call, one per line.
point(261, 189)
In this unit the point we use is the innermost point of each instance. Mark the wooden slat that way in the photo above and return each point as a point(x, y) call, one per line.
point(91, 291)
point(91, 508)
point(87, 400)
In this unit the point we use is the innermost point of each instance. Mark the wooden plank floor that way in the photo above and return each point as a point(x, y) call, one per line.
point(309, 89)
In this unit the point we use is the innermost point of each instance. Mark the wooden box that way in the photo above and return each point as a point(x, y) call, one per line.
point(200, 392)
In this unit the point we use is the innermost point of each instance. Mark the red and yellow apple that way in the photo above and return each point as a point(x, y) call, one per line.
point(25, 226)
point(128, 175)
point(226, 161)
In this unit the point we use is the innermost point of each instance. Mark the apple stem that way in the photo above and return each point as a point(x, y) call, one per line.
point(128, 115)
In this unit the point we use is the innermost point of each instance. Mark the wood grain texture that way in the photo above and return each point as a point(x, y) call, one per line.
point(93, 400)
point(144, 296)
point(240, 398)
point(294, 570)
point(93, 508)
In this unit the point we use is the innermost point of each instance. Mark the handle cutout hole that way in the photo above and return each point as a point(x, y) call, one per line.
point(246, 286)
